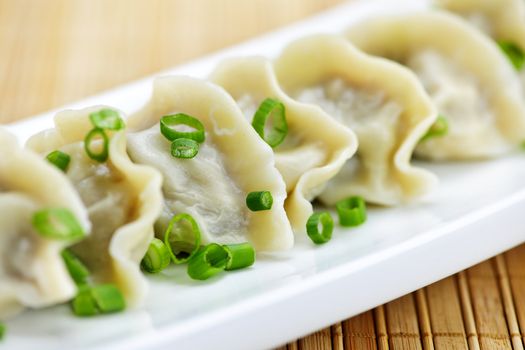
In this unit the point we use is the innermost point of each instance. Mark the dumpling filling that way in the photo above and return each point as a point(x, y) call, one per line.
point(108, 199)
point(201, 187)
point(294, 156)
point(370, 115)
point(456, 93)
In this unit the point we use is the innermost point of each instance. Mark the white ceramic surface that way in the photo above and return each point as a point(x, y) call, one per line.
point(475, 214)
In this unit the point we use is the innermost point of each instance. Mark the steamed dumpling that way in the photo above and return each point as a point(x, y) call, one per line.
point(469, 80)
point(32, 272)
point(502, 20)
point(316, 146)
point(382, 102)
point(232, 162)
point(123, 200)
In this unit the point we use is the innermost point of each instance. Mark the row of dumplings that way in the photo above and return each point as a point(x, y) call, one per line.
point(332, 117)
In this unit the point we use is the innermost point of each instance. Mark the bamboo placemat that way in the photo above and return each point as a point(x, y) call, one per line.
point(56, 51)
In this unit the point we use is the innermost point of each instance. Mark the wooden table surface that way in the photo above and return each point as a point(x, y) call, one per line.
point(57, 51)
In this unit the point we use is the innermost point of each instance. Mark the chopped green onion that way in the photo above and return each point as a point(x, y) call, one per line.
point(209, 261)
point(438, 129)
point(169, 124)
point(182, 238)
point(351, 211)
point(157, 257)
point(184, 148)
point(107, 119)
point(256, 201)
point(90, 147)
point(84, 304)
point(513, 52)
point(75, 267)
point(102, 299)
point(108, 298)
point(59, 159)
point(57, 223)
point(241, 255)
point(323, 235)
point(2, 331)
point(270, 122)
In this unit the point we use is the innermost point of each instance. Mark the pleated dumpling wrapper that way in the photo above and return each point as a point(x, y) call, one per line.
point(123, 199)
point(315, 147)
point(231, 162)
point(32, 272)
point(472, 84)
point(502, 20)
point(382, 102)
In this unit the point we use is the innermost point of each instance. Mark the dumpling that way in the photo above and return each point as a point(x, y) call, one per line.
point(123, 200)
point(502, 20)
point(471, 83)
point(315, 147)
point(231, 162)
point(32, 272)
point(382, 102)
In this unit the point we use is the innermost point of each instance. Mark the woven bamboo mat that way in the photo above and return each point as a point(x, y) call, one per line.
point(482, 307)
point(56, 51)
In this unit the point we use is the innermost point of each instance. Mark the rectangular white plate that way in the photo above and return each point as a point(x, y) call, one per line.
point(474, 215)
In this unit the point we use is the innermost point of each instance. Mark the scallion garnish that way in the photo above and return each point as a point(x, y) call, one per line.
point(256, 201)
point(321, 234)
point(107, 119)
point(59, 159)
point(57, 223)
point(2, 331)
point(351, 211)
point(169, 124)
point(209, 261)
point(157, 257)
point(108, 298)
point(240, 256)
point(513, 52)
point(102, 299)
point(182, 238)
point(75, 267)
point(438, 129)
point(90, 145)
point(184, 148)
point(84, 304)
point(270, 122)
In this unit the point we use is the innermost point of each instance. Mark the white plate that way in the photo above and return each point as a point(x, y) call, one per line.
point(474, 215)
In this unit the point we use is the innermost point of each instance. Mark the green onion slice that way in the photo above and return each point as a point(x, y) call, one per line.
point(2, 331)
point(75, 267)
point(83, 304)
point(240, 256)
point(184, 148)
point(182, 238)
point(102, 299)
point(59, 159)
point(209, 261)
point(351, 211)
point(270, 122)
point(157, 257)
point(438, 129)
point(256, 201)
point(107, 119)
point(57, 223)
point(176, 126)
point(513, 52)
point(108, 298)
point(93, 149)
point(323, 234)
